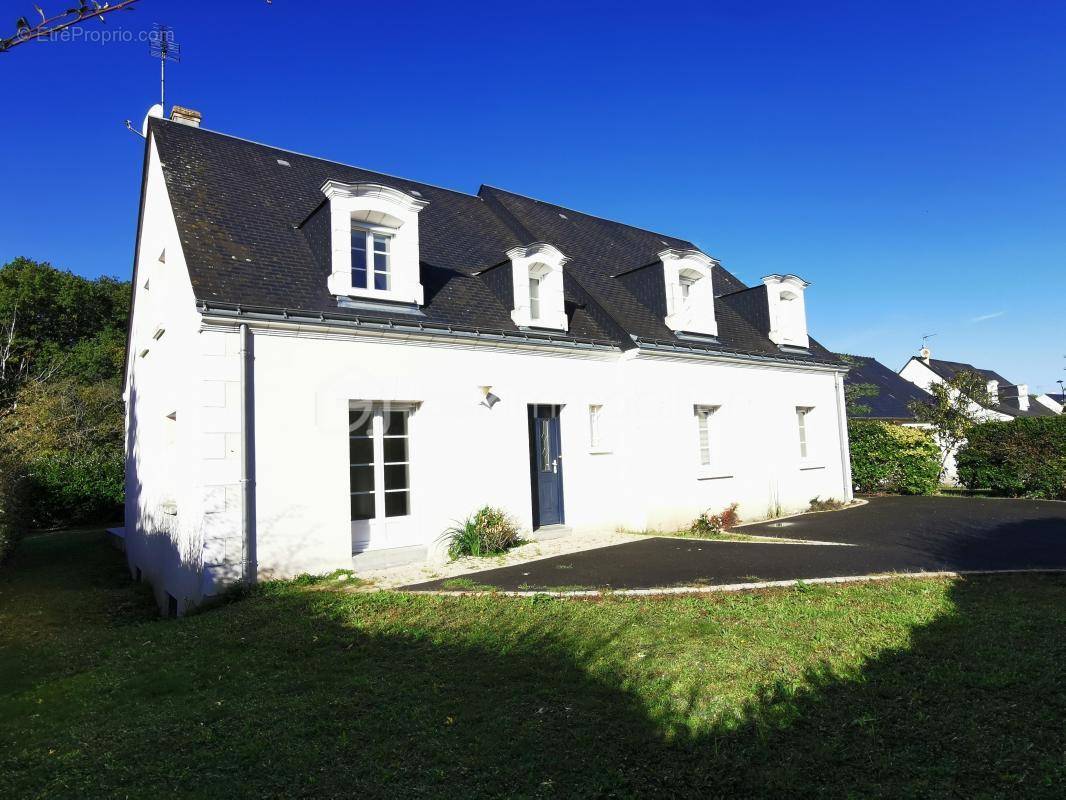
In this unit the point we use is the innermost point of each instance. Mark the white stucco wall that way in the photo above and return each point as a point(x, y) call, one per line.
point(464, 455)
point(163, 513)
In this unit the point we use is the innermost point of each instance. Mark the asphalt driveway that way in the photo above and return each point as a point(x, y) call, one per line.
point(890, 534)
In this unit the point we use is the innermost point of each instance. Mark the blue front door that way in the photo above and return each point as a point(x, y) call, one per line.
point(546, 465)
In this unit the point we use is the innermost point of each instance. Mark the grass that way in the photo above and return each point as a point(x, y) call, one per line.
point(919, 688)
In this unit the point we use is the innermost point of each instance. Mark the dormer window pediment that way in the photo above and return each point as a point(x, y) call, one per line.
point(537, 284)
point(787, 310)
point(689, 291)
point(374, 242)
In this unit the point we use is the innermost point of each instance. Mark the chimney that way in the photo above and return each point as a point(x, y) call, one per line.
point(1023, 397)
point(925, 354)
point(186, 116)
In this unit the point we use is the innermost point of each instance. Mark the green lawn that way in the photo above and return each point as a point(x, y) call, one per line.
point(907, 688)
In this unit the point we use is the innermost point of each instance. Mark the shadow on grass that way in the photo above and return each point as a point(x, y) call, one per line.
point(317, 693)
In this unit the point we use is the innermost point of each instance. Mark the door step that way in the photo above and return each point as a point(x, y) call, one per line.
point(546, 532)
point(389, 557)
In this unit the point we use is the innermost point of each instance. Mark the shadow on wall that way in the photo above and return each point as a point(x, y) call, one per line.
point(379, 697)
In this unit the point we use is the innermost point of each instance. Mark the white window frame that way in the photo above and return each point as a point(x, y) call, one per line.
point(371, 234)
point(534, 297)
point(710, 455)
point(692, 270)
point(540, 264)
point(378, 412)
point(803, 432)
point(599, 433)
point(383, 210)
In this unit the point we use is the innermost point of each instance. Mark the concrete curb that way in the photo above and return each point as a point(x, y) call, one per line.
point(858, 502)
point(732, 587)
point(753, 538)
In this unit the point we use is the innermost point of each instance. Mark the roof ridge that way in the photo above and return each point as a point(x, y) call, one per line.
point(317, 158)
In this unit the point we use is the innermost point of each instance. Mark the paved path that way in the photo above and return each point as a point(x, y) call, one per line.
point(890, 534)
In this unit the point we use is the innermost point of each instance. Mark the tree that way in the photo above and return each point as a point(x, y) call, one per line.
point(952, 411)
point(855, 393)
point(57, 324)
point(62, 349)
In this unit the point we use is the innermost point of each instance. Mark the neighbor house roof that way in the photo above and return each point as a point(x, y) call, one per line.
point(894, 394)
point(239, 206)
point(1008, 395)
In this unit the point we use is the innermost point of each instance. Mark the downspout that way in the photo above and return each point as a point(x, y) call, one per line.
point(248, 566)
point(845, 449)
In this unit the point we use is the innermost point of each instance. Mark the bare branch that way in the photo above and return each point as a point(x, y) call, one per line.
point(24, 32)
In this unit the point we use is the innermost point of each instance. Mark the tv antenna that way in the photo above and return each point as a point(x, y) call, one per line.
point(162, 46)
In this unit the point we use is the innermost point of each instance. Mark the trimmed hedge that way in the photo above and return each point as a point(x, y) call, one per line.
point(1025, 457)
point(892, 458)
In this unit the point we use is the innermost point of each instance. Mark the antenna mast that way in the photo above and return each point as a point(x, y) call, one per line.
point(162, 46)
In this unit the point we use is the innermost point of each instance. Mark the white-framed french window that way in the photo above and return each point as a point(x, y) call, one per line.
point(599, 435)
point(371, 258)
point(379, 462)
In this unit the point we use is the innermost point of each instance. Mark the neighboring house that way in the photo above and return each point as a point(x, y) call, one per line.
point(892, 398)
point(1003, 400)
point(325, 361)
point(1054, 402)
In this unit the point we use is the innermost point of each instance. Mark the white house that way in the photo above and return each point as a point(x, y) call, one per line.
point(327, 363)
point(1003, 400)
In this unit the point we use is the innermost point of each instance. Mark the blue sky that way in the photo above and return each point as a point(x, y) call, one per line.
point(906, 158)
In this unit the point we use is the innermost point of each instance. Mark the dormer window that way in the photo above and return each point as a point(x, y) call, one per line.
point(537, 275)
point(370, 259)
point(787, 310)
point(689, 292)
point(374, 236)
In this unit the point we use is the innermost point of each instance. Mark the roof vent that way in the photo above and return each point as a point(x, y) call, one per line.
point(282, 162)
point(186, 116)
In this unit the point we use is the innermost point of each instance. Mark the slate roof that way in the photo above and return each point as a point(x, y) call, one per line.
point(894, 396)
point(1008, 402)
point(239, 211)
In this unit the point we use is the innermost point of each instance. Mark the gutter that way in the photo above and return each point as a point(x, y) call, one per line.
point(845, 447)
point(681, 348)
point(355, 322)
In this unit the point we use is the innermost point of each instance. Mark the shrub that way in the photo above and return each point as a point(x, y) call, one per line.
point(892, 458)
point(707, 524)
point(488, 532)
point(1023, 457)
point(829, 504)
point(69, 488)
